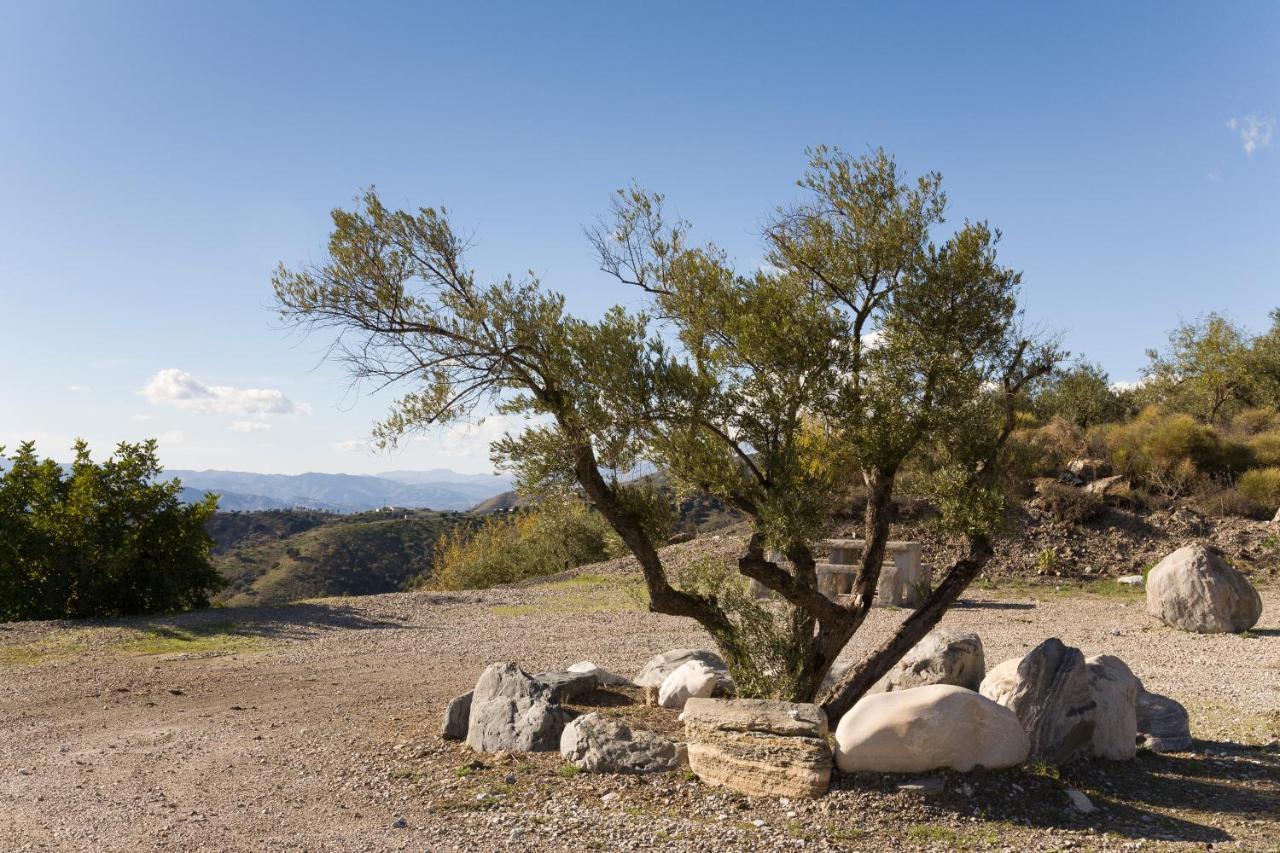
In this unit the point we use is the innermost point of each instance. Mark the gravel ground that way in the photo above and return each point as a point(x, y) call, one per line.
point(314, 727)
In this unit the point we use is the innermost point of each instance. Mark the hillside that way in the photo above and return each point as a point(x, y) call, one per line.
point(279, 556)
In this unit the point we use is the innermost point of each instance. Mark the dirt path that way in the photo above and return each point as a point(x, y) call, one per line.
point(314, 727)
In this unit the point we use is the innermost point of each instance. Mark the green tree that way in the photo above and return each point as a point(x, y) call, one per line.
point(862, 345)
point(1207, 370)
point(101, 539)
point(1081, 395)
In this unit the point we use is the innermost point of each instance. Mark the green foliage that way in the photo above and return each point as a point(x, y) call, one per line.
point(1041, 451)
point(1261, 485)
point(546, 539)
point(1211, 369)
point(1266, 449)
point(1080, 395)
point(1257, 420)
point(1172, 453)
point(103, 539)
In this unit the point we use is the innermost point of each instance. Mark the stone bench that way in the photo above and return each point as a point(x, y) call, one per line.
point(903, 578)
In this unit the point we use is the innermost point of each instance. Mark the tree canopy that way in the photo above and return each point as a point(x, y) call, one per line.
point(861, 347)
point(100, 539)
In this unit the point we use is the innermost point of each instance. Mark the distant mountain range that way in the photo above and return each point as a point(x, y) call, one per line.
point(439, 488)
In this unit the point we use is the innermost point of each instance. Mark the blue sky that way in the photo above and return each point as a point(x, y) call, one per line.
point(158, 159)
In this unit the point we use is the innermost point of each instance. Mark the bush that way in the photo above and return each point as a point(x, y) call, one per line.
point(549, 538)
point(1254, 421)
point(1069, 504)
point(107, 539)
point(1227, 501)
point(1044, 450)
point(1261, 485)
point(1172, 453)
point(1266, 449)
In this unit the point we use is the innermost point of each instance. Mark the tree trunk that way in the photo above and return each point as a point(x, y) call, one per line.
point(860, 678)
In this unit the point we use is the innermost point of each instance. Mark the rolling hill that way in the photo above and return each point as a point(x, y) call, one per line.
point(277, 556)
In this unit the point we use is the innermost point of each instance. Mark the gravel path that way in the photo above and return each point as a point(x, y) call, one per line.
point(314, 727)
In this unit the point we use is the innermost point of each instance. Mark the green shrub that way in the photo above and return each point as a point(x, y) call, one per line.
point(1254, 421)
point(1222, 502)
point(1172, 453)
point(1266, 449)
point(1261, 485)
point(549, 538)
point(100, 539)
point(1044, 450)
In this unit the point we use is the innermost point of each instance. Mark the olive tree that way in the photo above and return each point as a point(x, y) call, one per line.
point(861, 347)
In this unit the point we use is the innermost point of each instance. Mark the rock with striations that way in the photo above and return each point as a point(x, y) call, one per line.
point(1115, 689)
point(598, 744)
point(512, 712)
point(602, 676)
point(1163, 724)
point(656, 670)
point(567, 686)
point(929, 728)
point(1195, 589)
point(944, 656)
point(456, 717)
point(1049, 691)
point(759, 747)
point(691, 680)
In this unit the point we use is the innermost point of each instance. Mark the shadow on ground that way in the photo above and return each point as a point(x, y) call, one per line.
point(1133, 797)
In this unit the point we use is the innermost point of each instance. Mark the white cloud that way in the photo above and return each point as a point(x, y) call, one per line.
point(1127, 385)
point(249, 426)
point(173, 387)
point(76, 389)
point(1255, 131)
point(173, 436)
point(144, 417)
point(353, 445)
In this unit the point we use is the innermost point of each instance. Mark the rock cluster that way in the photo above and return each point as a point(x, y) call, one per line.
point(759, 747)
point(1196, 589)
point(658, 667)
point(1049, 690)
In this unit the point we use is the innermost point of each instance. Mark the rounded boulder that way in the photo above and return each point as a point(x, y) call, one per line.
point(929, 728)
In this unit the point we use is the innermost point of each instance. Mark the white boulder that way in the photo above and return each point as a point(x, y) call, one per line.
point(928, 728)
point(691, 680)
point(658, 667)
point(603, 676)
point(1195, 589)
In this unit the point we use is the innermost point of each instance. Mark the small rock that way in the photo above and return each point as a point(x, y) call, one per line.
point(1080, 802)
point(1130, 580)
point(927, 787)
point(399, 823)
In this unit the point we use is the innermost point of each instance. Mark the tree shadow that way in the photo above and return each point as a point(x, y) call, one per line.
point(1133, 798)
point(984, 604)
point(303, 620)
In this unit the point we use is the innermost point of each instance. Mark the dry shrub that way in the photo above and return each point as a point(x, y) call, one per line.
point(1266, 449)
point(1172, 453)
point(1043, 450)
point(1069, 504)
point(550, 538)
point(1221, 502)
point(1254, 421)
point(1263, 486)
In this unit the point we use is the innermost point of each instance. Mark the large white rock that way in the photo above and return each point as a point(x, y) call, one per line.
point(944, 656)
point(929, 728)
point(691, 680)
point(1195, 589)
point(1115, 689)
point(658, 667)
